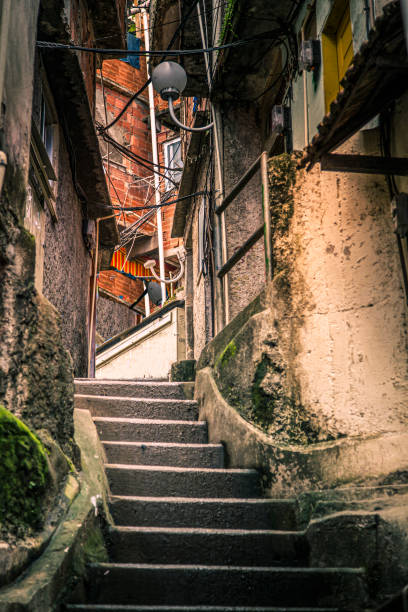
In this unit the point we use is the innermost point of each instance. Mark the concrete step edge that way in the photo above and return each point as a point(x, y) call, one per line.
point(141, 608)
point(162, 444)
point(136, 421)
point(357, 571)
point(197, 500)
point(186, 470)
point(204, 531)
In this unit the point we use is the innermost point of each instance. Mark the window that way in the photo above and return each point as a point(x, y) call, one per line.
point(337, 42)
point(172, 160)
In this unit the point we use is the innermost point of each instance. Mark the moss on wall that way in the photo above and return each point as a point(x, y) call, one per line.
point(24, 476)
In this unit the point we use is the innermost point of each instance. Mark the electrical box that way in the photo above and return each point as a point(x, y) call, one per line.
point(399, 210)
point(310, 55)
point(280, 119)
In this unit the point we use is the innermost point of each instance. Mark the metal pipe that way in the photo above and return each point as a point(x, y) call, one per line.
point(185, 127)
point(155, 159)
point(221, 230)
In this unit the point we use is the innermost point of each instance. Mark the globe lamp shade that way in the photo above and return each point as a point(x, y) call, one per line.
point(169, 80)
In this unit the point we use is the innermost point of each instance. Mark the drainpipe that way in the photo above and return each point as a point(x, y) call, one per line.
point(155, 159)
point(221, 229)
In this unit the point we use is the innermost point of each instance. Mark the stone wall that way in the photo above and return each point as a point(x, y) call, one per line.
point(35, 371)
point(67, 265)
point(242, 145)
point(112, 317)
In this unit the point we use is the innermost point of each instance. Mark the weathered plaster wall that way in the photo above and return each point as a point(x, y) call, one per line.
point(112, 317)
point(67, 265)
point(341, 313)
point(242, 145)
point(35, 370)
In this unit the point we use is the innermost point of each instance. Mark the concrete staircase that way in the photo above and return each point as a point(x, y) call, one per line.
point(189, 534)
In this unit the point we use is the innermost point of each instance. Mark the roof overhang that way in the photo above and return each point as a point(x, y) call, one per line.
point(245, 72)
point(165, 18)
point(69, 92)
point(109, 18)
point(377, 76)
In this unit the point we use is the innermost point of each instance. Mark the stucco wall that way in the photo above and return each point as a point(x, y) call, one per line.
point(340, 305)
point(146, 353)
point(67, 265)
point(112, 317)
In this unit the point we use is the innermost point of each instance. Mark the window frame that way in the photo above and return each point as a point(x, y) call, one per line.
point(167, 162)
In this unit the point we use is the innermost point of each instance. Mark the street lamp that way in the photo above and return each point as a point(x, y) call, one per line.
point(169, 80)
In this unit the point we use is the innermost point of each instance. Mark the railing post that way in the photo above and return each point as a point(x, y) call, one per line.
point(266, 216)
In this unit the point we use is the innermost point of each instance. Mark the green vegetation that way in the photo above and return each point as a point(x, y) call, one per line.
point(226, 355)
point(24, 476)
point(228, 18)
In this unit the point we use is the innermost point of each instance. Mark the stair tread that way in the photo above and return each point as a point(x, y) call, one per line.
point(124, 398)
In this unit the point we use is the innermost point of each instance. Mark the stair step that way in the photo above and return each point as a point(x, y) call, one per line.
point(145, 430)
point(119, 608)
point(139, 408)
point(165, 453)
point(225, 586)
point(207, 546)
point(152, 481)
point(213, 513)
point(140, 388)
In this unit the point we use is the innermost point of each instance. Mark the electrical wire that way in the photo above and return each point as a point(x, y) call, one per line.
point(149, 80)
point(172, 53)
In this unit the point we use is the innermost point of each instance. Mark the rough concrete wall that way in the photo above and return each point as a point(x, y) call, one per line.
point(67, 265)
point(35, 371)
point(112, 317)
point(242, 145)
point(340, 311)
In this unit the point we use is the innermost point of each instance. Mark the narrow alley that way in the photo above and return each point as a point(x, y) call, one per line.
point(203, 306)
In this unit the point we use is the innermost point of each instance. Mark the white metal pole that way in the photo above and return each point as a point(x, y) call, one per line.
point(155, 159)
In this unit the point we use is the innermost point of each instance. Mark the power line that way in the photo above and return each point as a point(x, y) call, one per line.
point(173, 53)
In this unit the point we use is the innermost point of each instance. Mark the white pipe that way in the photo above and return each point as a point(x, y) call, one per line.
point(151, 263)
point(147, 305)
point(155, 159)
point(220, 195)
point(203, 128)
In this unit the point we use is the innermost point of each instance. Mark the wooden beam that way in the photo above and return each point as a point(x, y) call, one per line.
point(239, 186)
point(241, 251)
point(365, 164)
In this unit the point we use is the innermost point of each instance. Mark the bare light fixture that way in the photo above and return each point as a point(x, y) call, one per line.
point(169, 80)
point(3, 166)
